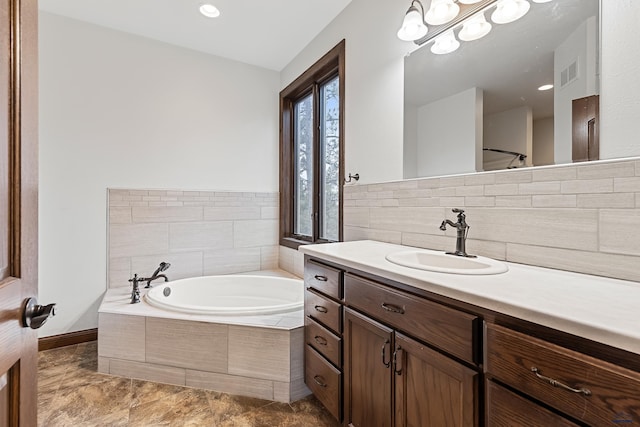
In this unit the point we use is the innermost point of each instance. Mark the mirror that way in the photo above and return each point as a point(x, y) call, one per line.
point(479, 108)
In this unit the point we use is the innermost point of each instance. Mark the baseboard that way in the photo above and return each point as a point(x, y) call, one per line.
point(62, 340)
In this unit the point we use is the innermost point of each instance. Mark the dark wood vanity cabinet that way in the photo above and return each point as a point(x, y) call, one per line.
point(378, 354)
point(323, 334)
point(576, 385)
point(392, 379)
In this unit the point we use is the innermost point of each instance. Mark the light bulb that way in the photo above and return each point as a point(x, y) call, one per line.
point(509, 11)
point(209, 10)
point(413, 27)
point(441, 12)
point(445, 43)
point(474, 28)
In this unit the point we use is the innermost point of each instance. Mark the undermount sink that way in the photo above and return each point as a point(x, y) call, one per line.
point(444, 263)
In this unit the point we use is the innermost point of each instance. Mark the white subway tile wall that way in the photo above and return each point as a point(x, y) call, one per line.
point(583, 218)
point(198, 232)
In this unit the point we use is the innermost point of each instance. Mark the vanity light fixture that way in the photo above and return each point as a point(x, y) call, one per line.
point(545, 87)
point(445, 43)
point(413, 25)
point(441, 12)
point(474, 28)
point(462, 18)
point(209, 10)
point(509, 11)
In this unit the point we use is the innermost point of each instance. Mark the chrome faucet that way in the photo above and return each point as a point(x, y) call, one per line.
point(462, 229)
point(135, 291)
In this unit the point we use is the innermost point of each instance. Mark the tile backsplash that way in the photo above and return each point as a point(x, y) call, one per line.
point(583, 218)
point(198, 232)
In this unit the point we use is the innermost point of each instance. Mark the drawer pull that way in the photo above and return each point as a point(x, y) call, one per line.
point(321, 308)
point(320, 340)
point(557, 383)
point(393, 308)
point(320, 278)
point(384, 354)
point(319, 380)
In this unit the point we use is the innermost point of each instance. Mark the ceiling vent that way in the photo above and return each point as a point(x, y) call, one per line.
point(569, 74)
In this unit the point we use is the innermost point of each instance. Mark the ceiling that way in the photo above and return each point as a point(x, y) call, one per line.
point(509, 64)
point(266, 33)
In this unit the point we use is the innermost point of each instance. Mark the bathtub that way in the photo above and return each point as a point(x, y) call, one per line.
point(238, 334)
point(239, 295)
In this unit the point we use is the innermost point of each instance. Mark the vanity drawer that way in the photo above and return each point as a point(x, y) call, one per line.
point(324, 310)
point(449, 329)
point(506, 409)
point(603, 394)
point(323, 278)
point(324, 381)
point(323, 340)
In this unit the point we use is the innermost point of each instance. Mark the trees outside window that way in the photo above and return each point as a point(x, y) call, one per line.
point(311, 153)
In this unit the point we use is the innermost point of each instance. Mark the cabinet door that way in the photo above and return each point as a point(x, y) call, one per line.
point(432, 389)
point(367, 369)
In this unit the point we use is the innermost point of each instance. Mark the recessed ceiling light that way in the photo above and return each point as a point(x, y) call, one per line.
point(209, 10)
point(545, 87)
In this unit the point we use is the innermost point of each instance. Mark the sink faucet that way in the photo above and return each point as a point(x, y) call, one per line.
point(462, 229)
point(135, 291)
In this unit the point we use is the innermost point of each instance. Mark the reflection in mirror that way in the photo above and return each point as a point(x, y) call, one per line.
point(480, 107)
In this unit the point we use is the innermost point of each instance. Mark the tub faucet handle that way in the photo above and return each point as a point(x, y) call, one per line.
point(135, 291)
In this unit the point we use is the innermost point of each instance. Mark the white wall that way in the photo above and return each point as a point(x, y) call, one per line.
point(580, 46)
point(510, 130)
point(620, 97)
point(118, 110)
point(543, 141)
point(445, 128)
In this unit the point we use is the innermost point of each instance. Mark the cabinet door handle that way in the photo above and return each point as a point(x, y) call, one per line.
point(320, 278)
point(557, 383)
point(393, 308)
point(320, 340)
point(321, 308)
point(384, 354)
point(319, 380)
point(397, 360)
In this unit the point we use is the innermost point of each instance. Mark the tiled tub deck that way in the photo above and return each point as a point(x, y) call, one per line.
point(254, 356)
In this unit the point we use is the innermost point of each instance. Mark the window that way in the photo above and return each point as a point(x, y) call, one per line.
point(311, 153)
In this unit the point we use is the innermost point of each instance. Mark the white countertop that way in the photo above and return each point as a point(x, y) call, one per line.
point(601, 309)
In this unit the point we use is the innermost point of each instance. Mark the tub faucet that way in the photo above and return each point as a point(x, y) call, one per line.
point(462, 229)
point(164, 266)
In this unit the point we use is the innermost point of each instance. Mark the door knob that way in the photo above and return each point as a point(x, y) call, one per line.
point(36, 315)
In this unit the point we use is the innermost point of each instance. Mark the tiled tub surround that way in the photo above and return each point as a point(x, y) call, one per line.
point(254, 356)
point(583, 218)
point(200, 233)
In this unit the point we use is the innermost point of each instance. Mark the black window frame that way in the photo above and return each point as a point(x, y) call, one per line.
point(326, 68)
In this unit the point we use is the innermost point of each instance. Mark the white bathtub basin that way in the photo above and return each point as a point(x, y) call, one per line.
point(229, 295)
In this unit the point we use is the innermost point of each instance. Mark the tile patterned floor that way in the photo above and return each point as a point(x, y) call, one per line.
point(72, 393)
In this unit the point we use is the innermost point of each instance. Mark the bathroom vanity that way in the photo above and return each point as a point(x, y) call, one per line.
point(388, 345)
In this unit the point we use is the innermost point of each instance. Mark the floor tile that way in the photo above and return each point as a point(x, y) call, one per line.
point(72, 393)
